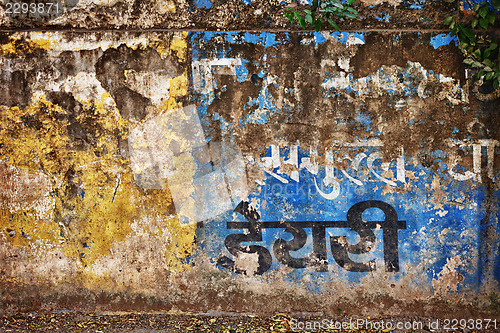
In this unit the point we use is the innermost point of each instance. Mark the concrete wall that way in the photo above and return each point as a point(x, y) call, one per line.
point(205, 156)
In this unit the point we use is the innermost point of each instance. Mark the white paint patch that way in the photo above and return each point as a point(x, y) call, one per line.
point(204, 70)
point(247, 262)
point(153, 85)
point(25, 191)
point(103, 41)
point(386, 79)
point(353, 40)
point(84, 86)
point(442, 213)
point(344, 63)
point(340, 82)
point(205, 180)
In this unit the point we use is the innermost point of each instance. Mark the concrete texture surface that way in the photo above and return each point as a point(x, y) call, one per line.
point(207, 156)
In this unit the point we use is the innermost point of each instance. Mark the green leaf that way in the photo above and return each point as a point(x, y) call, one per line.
point(488, 63)
point(453, 28)
point(352, 10)
point(309, 19)
point(489, 76)
point(289, 16)
point(490, 17)
point(463, 45)
point(307, 11)
point(469, 34)
point(495, 4)
point(474, 23)
point(302, 22)
point(318, 24)
point(338, 5)
point(477, 53)
point(483, 23)
point(448, 20)
point(486, 53)
point(493, 46)
point(328, 10)
point(476, 64)
point(350, 2)
point(333, 24)
point(468, 61)
point(483, 11)
point(349, 15)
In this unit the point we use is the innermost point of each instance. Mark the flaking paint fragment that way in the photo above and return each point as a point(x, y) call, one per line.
point(448, 279)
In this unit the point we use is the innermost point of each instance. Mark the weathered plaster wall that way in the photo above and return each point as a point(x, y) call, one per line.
point(216, 14)
point(203, 170)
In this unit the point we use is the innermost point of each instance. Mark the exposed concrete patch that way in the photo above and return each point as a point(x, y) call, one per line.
point(248, 263)
point(449, 278)
point(25, 191)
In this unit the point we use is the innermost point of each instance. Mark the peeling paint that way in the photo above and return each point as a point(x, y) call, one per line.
point(232, 168)
point(87, 197)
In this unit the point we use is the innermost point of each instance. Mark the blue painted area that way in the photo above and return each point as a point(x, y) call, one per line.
point(445, 217)
point(242, 72)
point(433, 234)
point(202, 3)
point(384, 18)
point(319, 38)
point(413, 4)
point(263, 104)
point(364, 120)
point(442, 39)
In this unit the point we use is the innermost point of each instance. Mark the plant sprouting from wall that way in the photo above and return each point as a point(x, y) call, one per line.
point(323, 12)
point(479, 47)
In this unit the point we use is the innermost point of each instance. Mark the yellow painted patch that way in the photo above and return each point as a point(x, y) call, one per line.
point(18, 46)
point(94, 195)
point(178, 88)
point(166, 6)
point(43, 43)
point(8, 48)
point(160, 47)
point(179, 46)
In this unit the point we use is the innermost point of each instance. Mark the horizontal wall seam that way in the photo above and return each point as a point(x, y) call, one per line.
point(205, 30)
